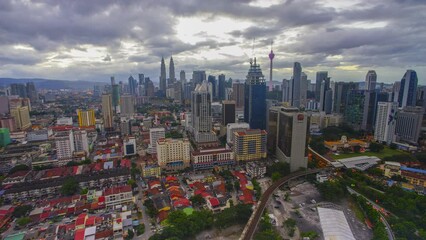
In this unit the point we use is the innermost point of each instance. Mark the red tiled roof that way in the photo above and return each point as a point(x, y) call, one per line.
point(117, 190)
point(214, 202)
point(79, 234)
point(18, 174)
point(182, 202)
point(162, 215)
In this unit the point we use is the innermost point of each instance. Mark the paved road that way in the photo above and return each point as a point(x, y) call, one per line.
point(251, 226)
point(391, 236)
point(145, 218)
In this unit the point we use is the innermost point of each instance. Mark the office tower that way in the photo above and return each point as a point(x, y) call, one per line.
point(370, 110)
point(408, 89)
point(112, 81)
point(395, 91)
point(408, 124)
point(31, 92)
point(4, 105)
point(250, 145)
point(173, 154)
point(303, 89)
point(341, 93)
point(370, 80)
point(172, 78)
point(107, 110)
point(64, 142)
point(326, 97)
point(198, 77)
point(154, 135)
point(384, 130)
point(221, 87)
point(238, 94)
point(212, 79)
point(292, 136)
point(9, 123)
point(22, 117)
point(141, 85)
point(255, 98)
point(133, 86)
point(127, 106)
point(129, 145)
point(354, 109)
point(97, 91)
point(228, 112)
point(234, 127)
point(86, 118)
point(4, 137)
point(202, 114)
point(141, 78)
point(286, 90)
point(115, 97)
point(18, 89)
point(271, 58)
point(177, 86)
point(150, 89)
point(81, 142)
point(125, 128)
point(295, 85)
point(163, 78)
point(182, 77)
point(321, 76)
point(187, 89)
point(328, 103)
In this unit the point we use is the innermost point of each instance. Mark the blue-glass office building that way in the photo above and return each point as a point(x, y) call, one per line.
point(255, 98)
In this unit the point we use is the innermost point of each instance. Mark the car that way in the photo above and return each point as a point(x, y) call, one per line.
point(276, 206)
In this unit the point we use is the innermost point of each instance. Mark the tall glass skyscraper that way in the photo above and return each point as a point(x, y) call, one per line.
point(255, 98)
point(408, 89)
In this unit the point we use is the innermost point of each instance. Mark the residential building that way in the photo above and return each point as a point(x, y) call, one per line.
point(81, 142)
point(255, 97)
point(64, 142)
point(4, 105)
point(213, 157)
point(408, 89)
point(86, 118)
point(173, 154)
point(408, 124)
point(228, 112)
point(107, 110)
point(150, 170)
point(129, 145)
point(250, 145)
point(127, 106)
point(256, 169)
point(385, 122)
point(64, 121)
point(154, 135)
point(9, 123)
point(233, 127)
point(118, 196)
point(392, 169)
point(39, 135)
point(4, 137)
point(22, 117)
point(202, 114)
point(238, 94)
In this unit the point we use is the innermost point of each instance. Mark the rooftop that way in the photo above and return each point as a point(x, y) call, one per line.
point(334, 225)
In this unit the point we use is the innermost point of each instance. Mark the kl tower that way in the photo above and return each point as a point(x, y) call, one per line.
point(271, 57)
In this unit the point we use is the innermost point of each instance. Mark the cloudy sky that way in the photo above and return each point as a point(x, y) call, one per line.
point(92, 40)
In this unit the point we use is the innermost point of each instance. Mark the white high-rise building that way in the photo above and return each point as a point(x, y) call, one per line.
point(173, 154)
point(154, 135)
point(370, 80)
point(409, 124)
point(129, 144)
point(385, 122)
point(64, 142)
point(81, 142)
point(202, 114)
point(233, 127)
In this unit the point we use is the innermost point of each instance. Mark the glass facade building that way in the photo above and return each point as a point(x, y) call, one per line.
point(255, 98)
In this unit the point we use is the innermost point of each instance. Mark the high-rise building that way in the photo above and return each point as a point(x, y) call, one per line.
point(295, 85)
point(341, 93)
point(22, 117)
point(115, 97)
point(107, 110)
point(64, 142)
point(292, 136)
point(154, 135)
point(141, 85)
point(212, 79)
point(31, 92)
point(182, 77)
point(198, 77)
point(4, 105)
point(86, 118)
point(303, 89)
point(228, 112)
point(234, 127)
point(238, 94)
point(408, 124)
point(81, 142)
point(286, 90)
point(250, 145)
point(133, 86)
point(370, 80)
point(149, 86)
point(326, 98)
point(385, 122)
point(4, 137)
point(255, 98)
point(408, 89)
point(127, 106)
point(177, 86)
point(163, 78)
point(354, 109)
point(370, 110)
point(129, 145)
point(202, 114)
point(18, 89)
point(221, 87)
point(321, 77)
point(125, 128)
point(172, 78)
point(173, 154)
point(112, 80)
point(9, 123)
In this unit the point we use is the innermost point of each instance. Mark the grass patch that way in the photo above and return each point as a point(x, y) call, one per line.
point(385, 153)
point(357, 210)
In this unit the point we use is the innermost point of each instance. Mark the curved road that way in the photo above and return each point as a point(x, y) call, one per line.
point(251, 226)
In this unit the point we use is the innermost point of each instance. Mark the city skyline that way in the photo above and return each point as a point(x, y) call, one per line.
point(88, 43)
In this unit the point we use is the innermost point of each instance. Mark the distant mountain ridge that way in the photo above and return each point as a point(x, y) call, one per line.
point(53, 84)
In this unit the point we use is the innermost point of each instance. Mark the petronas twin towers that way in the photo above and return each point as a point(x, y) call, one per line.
point(163, 78)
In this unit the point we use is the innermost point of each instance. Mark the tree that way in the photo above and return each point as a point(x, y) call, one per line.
point(21, 211)
point(376, 147)
point(197, 200)
point(23, 221)
point(331, 190)
point(281, 167)
point(276, 176)
point(69, 187)
point(317, 144)
point(140, 229)
point(20, 167)
point(130, 234)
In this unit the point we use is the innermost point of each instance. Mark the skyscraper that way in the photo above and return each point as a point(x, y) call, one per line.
point(295, 85)
point(4, 137)
point(198, 77)
point(201, 114)
point(141, 85)
point(385, 122)
point(133, 86)
point(238, 94)
point(86, 118)
point(154, 135)
point(255, 98)
point(324, 103)
point(182, 77)
point(303, 89)
point(163, 79)
point(212, 79)
point(341, 93)
point(31, 92)
point(172, 78)
point(18, 89)
point(409, 124)
point(221, 87)
point(228, 112)
point(115, 96)
point(22, 117)
point(64, 142)
point(321, 76)
point(370, 80)
point(408, 89)
point(107, 110)
point(286, 90)
point(81, 142)
point(4, 105)
point(127, 106)
point(354, 108)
